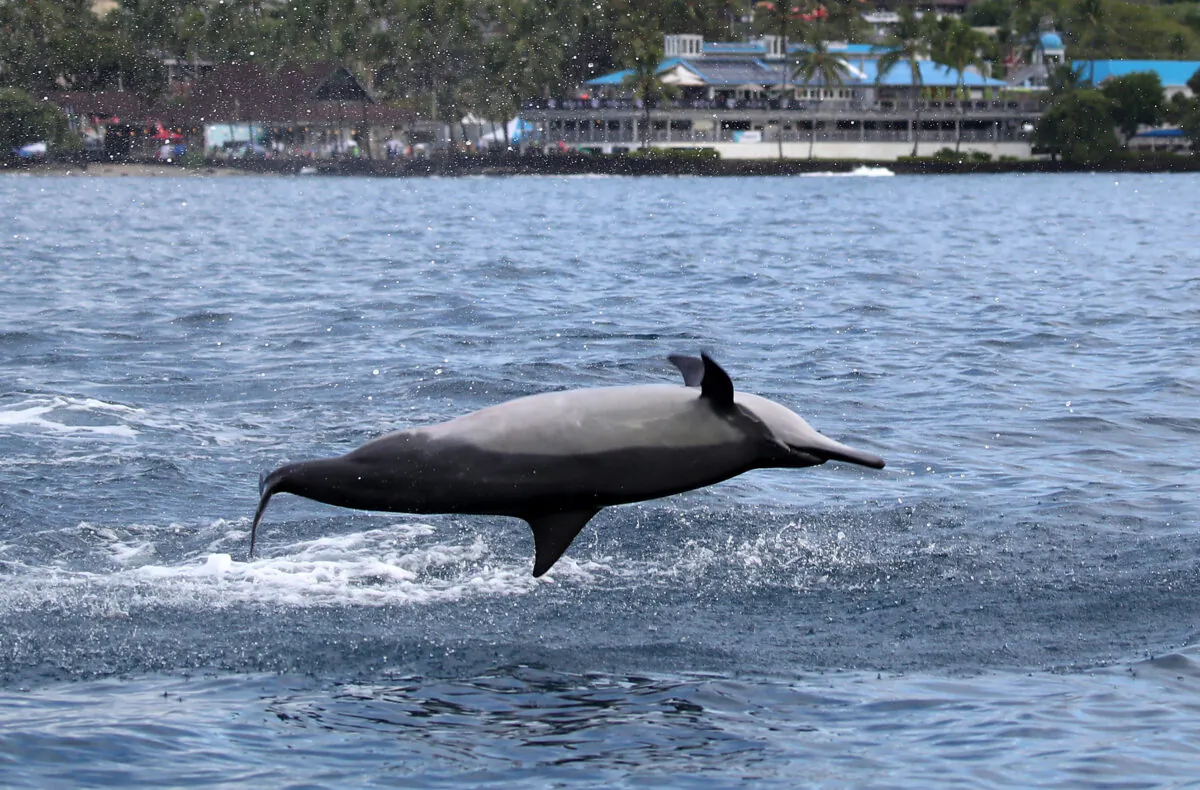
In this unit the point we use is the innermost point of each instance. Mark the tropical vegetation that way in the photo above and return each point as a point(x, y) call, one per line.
point(1078, 128)
point(24, 119)
point(447, 58)
point(643, 53)
point(1080, 125)
point(957, 45)
point(908, 42)
point(816, 65)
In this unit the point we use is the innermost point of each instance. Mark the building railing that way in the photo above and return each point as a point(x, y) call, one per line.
point(627, 135)
point(883, 106)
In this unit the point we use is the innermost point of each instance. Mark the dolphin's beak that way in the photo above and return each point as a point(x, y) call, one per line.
point(825, 449)
point(841, 452)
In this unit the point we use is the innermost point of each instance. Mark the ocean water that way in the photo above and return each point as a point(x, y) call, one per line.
point(1013, 601)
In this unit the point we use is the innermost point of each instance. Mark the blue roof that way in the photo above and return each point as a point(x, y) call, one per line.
point(1171, 72)
point(855, 50)
point(718, 73)
point(1051, 41)
point(932, 74)
point(867, 50)
point(734, 47)
point(615, 78)
point(1161, 133)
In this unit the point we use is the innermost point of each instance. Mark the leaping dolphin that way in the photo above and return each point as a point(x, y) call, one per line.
point(557, 459)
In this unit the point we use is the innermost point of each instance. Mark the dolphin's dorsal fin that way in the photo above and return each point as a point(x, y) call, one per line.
point(553, 533)
point(692, 369)
point(703, 372)
point(716, 386)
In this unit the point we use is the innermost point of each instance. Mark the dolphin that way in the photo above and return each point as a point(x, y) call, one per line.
point(558, 458)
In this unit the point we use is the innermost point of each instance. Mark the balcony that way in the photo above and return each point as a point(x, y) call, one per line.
point(1012, 105)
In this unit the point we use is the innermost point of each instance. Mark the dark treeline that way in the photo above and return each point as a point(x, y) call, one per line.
point(447, 56)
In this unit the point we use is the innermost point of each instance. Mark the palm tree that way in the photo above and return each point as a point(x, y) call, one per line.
point(1091, 31)
point(643, 54)
point(518, 65)
point(731, 10)
point(957, 45)
point(781, 21)
point(1063, 79)
point(817, 64)
point(908, 42)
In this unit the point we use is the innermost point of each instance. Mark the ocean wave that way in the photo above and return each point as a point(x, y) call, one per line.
point(63, 414)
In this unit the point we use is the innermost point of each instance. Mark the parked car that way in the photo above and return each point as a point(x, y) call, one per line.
point(171, 152)
point(31, 151)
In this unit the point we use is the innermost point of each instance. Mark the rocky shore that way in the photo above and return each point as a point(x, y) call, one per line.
point(565, 165)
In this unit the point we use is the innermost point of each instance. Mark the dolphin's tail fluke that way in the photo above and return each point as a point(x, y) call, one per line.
point(268, 484)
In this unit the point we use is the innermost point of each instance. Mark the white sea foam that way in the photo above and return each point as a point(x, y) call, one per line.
point(51, 413)
point(401, 564)
point(862, 171)
point(376, 567)
point(90, 418)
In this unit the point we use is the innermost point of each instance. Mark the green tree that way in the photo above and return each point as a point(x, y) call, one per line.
point(843, 21)
point(909, 41)
point(988, 13)
point(1127, 30)
point(643, 54)
point(1078, 127)
point(426, 52)
point(522, 60)
point(780, 19)
point(1064, 78)
point(1136, 99)
point(1185, 111)
point(730, 12)
point(1190, 124)
point(816, 65)
point(957, 46)
point(242, 30)
point(26, 120)
point(1088, 25)
point(49, 45)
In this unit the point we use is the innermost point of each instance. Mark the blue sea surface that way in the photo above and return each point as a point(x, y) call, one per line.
point(1014, 601)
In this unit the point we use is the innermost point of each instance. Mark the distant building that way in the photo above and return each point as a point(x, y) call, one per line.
point(1048, 53)
point(1174, 74)
point(741, 99)
point(317, 111)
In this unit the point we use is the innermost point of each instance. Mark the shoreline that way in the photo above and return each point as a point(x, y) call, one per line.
point(567, 165)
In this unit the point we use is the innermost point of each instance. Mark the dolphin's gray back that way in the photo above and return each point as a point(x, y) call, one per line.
point(593, 421)
point(597, 447)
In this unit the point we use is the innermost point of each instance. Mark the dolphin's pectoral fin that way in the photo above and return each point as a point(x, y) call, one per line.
point(553, 533)
point(692, 369)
